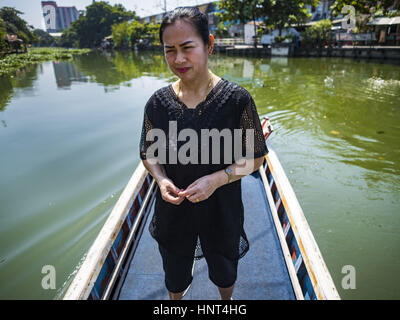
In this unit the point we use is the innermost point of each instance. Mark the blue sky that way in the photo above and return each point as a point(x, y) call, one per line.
point(33, 10)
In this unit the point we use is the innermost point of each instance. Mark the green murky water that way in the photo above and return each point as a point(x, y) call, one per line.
point(69, 144)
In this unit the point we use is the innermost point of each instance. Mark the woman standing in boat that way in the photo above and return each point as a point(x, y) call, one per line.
point(198, 209)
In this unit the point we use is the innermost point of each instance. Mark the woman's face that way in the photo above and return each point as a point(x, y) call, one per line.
point(184, 50)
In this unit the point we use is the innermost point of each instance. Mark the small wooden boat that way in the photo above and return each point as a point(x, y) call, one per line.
point(284, 261)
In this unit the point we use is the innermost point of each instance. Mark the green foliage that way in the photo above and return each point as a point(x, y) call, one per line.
point(362, 25)
point(89, 30)
point(242, 11)
point(370, 7)
point(239, 10)
point(135, 33)
point(221, 31)
point(138, 30)
point(12, 62)
point(280, 14)
point(367, 10)
point(277, 14)
point(69, 38)
point(280, 39)
point(121, 34)
point(318, 34)
point(152, 35)
point(3, 32)
point(14, 24)
point(44, 39)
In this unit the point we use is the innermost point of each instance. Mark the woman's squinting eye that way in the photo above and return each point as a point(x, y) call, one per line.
point(170, 50)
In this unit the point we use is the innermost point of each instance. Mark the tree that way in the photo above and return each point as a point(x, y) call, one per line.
point(368, 7)
point(152, 33)
point(121, 34)
point(69, 38)
point(135, 33)
point(3, 32)
point(96, 24)
point(277, 14)
point(318, 34)
point(240, 10)
point(283, 13)
point(16, 25)
point(44, 38)
point(221, 30)
point(366, 10)
point(145, 33)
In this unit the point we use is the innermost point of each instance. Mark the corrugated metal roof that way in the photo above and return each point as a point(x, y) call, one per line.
point(310, 23)
point(385, 21)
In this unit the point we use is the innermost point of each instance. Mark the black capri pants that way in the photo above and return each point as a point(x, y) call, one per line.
point(179, 270)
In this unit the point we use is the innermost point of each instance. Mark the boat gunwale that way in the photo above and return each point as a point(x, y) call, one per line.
point(86, 277)
point(281, 236)
point(317, 270)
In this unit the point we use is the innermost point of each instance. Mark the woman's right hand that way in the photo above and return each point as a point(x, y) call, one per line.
point(169, 192)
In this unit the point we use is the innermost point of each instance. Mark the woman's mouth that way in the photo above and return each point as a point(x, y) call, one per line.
point(183, 70)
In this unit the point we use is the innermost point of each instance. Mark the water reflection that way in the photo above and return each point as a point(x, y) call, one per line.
point(337, 127)
point(352, 106)
point(67, 72)
point(117, 68)
point(23, 79)
point(354, 102)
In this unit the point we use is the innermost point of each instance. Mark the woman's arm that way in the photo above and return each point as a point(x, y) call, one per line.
point(156, 170)
point(205, 186)
point(169, 192)
point(238, 171)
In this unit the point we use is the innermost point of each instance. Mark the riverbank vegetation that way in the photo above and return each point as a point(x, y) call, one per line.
point(16, 39)
point(318, 35)
point(102, 25)
point(130, 34)
point(15, 33)
point(12, 62)
point(276, 14)
point(93, 26)
point(281, 14)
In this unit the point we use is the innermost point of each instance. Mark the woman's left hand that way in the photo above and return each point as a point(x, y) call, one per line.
point(201, 189)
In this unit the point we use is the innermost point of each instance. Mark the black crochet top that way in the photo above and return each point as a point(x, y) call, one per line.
point(214, 224)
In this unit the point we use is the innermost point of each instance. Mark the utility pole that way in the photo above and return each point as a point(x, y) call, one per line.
point(163, 8)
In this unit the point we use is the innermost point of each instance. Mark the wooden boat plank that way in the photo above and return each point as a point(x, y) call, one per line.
point(262, 273)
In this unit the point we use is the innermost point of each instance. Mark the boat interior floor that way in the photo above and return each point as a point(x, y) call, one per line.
point(262, 272)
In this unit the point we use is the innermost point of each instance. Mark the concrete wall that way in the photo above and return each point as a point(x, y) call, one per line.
point(366, 53)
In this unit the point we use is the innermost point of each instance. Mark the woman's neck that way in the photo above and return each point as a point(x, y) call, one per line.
point(198, 86)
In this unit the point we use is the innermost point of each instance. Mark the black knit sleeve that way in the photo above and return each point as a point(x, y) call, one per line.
point(148, 124)
point(250, 120)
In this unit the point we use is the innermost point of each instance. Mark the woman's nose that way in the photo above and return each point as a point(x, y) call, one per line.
point(180, 57)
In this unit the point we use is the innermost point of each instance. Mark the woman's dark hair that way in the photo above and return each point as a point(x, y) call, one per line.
point(192, 15)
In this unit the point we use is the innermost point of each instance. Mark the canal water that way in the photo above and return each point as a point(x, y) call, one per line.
point(69, 135)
